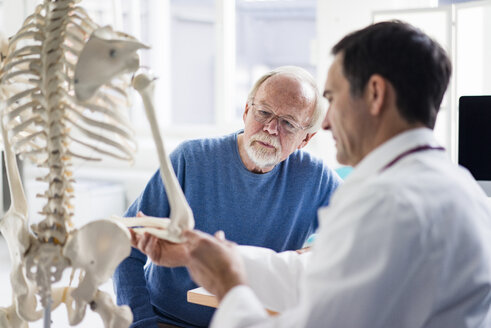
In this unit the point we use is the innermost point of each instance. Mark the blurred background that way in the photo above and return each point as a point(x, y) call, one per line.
point(208, 53)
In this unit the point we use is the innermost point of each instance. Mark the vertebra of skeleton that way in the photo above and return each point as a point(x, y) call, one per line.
point(63, 95)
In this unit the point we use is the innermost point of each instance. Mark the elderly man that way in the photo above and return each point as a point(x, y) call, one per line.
point(255, 184)
point(406, 240)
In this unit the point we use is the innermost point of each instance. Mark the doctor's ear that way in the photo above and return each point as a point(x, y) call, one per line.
point(376, 93)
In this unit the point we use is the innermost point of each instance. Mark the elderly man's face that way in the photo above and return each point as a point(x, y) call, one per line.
point(346, 116)
point(289, 106)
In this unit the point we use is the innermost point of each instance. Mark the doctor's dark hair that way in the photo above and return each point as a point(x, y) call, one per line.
point(416, 66)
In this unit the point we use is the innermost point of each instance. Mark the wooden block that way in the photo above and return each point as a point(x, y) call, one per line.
point(203, 297)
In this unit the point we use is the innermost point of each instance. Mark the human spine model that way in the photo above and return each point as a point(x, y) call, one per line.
point(62, 87)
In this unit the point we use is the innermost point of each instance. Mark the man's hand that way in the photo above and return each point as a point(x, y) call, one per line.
point(161, 252)
point(214, 263)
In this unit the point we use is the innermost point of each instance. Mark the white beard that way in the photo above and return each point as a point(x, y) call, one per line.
point(261, 156)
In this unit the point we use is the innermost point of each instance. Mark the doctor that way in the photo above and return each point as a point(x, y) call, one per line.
point(405, 242)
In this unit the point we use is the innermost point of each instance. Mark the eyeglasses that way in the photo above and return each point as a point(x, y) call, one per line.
point(287, 125)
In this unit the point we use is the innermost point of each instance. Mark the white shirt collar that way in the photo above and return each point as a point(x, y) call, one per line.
point(389, 150)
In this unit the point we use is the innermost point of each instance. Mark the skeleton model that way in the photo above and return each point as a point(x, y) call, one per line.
point(62, 88)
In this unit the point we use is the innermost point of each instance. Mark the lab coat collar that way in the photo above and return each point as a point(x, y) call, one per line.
point(389, 150)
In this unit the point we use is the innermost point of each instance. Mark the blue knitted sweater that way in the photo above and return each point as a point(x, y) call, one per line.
point(277, 210)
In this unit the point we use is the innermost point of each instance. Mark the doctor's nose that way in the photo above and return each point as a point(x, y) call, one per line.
point(326, 124)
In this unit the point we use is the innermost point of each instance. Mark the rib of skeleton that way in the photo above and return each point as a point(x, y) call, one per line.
point(63, 82)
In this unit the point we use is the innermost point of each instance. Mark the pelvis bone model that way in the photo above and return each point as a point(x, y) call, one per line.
point(63, 91)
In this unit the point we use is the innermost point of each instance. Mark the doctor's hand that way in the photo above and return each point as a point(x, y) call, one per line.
point(214, 263)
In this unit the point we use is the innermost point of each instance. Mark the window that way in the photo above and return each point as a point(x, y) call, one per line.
point(473, 53)
point(207, 54)
point(193, 54)
point(271, 34)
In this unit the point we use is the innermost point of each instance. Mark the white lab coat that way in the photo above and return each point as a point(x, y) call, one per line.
point(408, 246)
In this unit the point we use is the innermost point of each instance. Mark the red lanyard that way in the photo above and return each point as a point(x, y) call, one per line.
point(408, 152)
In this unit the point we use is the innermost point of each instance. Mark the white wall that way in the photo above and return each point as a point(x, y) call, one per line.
point(335, 19)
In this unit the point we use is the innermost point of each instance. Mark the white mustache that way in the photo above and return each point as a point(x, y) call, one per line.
point(266, 139)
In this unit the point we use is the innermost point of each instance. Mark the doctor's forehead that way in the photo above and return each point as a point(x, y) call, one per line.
point(335, 76)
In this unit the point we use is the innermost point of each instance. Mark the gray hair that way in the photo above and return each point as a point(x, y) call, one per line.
point(320, 109)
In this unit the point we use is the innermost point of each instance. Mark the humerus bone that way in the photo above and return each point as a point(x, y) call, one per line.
point(181, 216)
